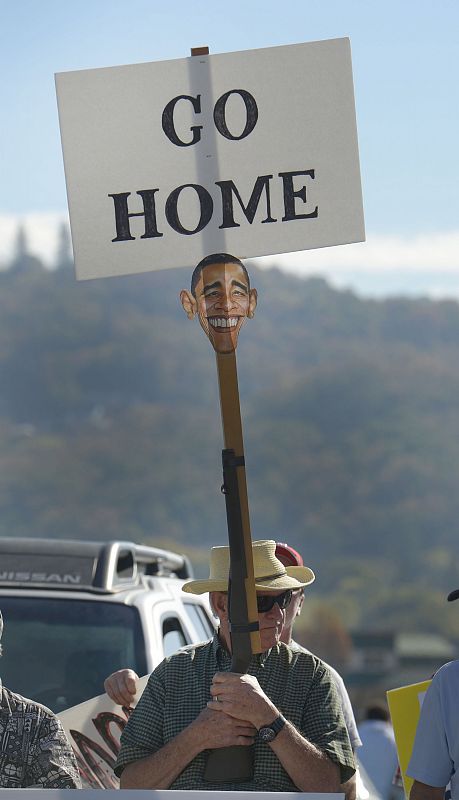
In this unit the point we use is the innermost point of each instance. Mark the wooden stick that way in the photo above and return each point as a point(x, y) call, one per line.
point(235, 763)
point(233, 440)
point(199, 51)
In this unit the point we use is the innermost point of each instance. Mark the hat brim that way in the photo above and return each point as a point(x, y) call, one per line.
point(296, 578)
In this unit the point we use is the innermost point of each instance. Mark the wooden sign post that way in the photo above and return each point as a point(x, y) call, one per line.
point(243, 615)
point(222, 299)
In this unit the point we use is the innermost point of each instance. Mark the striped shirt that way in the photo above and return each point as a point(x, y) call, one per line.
point(299, 685)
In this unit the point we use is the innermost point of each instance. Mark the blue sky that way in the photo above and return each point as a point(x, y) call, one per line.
point(406, 76)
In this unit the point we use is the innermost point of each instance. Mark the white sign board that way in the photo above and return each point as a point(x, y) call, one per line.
point(93, 729)
point(249, 153)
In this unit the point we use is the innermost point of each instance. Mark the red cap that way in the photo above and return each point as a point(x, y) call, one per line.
point(288, 556)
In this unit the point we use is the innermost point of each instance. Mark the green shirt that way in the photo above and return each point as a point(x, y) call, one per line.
point(298, 684)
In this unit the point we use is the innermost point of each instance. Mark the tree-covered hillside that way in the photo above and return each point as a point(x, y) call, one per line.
point(110, 427)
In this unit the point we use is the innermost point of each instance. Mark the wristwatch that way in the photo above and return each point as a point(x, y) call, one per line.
point(269, 733)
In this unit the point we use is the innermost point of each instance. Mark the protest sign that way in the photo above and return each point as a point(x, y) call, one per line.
point(93, 729)
point(251, 153)
point(405, 707)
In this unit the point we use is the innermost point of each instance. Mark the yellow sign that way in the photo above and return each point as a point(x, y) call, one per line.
point(405, 707)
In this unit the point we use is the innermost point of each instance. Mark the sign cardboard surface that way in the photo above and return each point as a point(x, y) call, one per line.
point(250, 153)
point(94, 729)
point(405, 707)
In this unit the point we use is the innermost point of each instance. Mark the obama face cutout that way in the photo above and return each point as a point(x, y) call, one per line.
point(222, 298)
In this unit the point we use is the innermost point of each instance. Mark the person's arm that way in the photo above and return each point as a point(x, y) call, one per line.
point(350, 788)
point(161, 768)
point(430, 764)
point(51, 762)
point(422, 791)
point(241, 696)
point(121, 686)
point(310, 769)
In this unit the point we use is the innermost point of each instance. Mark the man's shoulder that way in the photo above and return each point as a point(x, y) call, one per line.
point(191, 651)
point(24, 705)
point(191, 648)
point(303, 657)
point(319, 663)
point(447, 675)
point(295, 647)
point(185, 656)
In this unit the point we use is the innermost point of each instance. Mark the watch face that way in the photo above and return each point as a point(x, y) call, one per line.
point(266, 734)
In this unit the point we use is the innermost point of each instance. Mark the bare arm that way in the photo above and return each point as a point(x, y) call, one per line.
point(422, 791)
point(310, 769)
point(350, 788)
point(209, 730)
point(159, 770)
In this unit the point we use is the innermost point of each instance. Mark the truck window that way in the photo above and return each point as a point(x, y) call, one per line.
point(173, 635)
point(60, 652)
point(200, 620)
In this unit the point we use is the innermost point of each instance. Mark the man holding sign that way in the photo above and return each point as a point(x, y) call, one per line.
point(286, 706)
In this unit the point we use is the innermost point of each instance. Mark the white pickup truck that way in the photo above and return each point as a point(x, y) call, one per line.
point(76, 611)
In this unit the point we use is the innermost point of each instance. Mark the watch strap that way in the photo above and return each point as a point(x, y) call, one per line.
point(278, 724)
point(267, 733)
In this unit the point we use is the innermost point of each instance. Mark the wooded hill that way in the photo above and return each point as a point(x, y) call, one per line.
point(110, 427)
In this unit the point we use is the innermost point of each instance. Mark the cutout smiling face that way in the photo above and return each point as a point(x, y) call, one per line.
point(222, 298)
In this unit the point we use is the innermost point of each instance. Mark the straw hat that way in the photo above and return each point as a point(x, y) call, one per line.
point(270, 573)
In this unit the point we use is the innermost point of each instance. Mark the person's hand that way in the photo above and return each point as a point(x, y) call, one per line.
point(221, 730)
point(121, 686)
point(242, 697)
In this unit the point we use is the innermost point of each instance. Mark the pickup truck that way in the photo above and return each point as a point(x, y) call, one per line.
point(76, 611)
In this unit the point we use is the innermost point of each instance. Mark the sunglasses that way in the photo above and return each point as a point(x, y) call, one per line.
point(265, 602)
